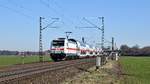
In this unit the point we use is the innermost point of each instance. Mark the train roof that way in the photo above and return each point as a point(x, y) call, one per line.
point(72, 40)
point(76, 41)
point(61, 38)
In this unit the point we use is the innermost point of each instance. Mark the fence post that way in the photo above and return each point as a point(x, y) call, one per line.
point(23, 57)
point(98, 62)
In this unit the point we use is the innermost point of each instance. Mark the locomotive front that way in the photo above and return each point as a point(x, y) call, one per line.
point(57, 49)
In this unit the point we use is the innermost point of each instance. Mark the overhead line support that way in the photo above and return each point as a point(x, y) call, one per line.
point(40, 42)
point(40, 37)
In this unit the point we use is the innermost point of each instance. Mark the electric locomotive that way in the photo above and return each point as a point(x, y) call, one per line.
point(62, 49)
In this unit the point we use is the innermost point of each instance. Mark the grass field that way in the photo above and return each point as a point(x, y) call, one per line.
point(136, 70)
point(11, 60)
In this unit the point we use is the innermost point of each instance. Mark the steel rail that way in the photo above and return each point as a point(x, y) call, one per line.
point(6, 76)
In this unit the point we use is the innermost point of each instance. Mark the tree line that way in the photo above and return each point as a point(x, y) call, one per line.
point(7, 52)
point(25, 53)
point(125, 50)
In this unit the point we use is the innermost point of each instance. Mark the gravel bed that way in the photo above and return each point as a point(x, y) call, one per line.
point(22, 66)
point(53, 77)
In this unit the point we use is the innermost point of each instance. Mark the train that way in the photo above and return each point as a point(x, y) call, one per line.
point(64, 49)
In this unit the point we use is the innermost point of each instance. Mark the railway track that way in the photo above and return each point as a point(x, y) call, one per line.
point(6, 76)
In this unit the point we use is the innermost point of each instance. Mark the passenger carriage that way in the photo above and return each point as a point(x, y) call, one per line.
point(63, 48)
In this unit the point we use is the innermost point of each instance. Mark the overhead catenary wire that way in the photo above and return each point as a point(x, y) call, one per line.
point(19, 5)
point(60, 7)
point(16, 11)
point(49, 25)
point(95, 26)
point(54, 2)
point(107, 41)
point(55, 11)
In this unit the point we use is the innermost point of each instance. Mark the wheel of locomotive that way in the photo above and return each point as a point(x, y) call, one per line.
point(54, 59)
point(66, 58)
point(76, 57)
point(88, 56)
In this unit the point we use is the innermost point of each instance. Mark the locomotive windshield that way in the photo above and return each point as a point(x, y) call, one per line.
point(58, 43)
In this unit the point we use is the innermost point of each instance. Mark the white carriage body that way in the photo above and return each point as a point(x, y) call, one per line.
point(63, 48)
point(70, 48)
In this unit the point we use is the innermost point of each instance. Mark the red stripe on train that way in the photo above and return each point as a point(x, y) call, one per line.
point(73, 49)
point(57, 49)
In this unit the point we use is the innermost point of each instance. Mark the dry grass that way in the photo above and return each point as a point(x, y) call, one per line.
point(105, 75)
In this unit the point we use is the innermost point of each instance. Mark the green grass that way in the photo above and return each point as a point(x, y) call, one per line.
point(136, 69)
point(12, 60)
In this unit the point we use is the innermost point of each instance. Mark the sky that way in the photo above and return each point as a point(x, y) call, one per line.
point(128, 21)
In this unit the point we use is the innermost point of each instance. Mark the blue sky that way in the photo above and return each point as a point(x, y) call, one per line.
point(126, 20)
